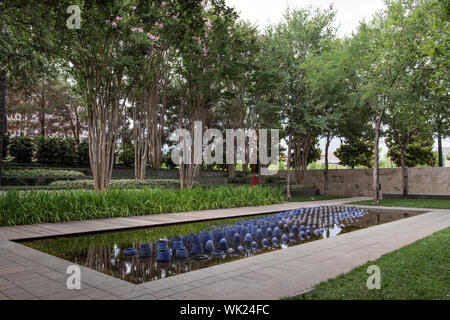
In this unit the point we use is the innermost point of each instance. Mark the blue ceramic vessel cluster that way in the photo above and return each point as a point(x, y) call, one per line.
point(253, 234)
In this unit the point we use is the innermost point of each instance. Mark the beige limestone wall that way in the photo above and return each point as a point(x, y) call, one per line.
point(358, 182)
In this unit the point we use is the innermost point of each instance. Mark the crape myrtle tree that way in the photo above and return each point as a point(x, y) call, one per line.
point(148, 75)
point(96, 56)
point(92, 53)
point(232, 111)
point(203, 52)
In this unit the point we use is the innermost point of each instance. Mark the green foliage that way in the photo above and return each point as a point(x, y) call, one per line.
point(53, 150)
point(21, 148)
point(314, 153)
point(166, 161)
point(119, 183)
point(47, 150)
point(286, 48)
point(418, 271)
point(418, 152)
point(355, 152)
point(125, 155)
point(67, 152)
point(6, 142)
point(307, 198)
point(83, 153)
point(409, 203)
point(42, 173)
point(58, 206)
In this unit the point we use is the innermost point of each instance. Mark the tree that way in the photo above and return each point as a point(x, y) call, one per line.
point(94, 57)
point(354, 152)
point(410, 107)
point(326, 78)
point(372, 52)
point(418, 152)
point(51, 104)
point(20, 59)
point(288, 44)
point(204, 51)
point(148, 78)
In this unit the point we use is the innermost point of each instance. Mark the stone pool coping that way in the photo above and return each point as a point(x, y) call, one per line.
point(26, 273)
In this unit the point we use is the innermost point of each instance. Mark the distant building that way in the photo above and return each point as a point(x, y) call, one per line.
point(24, 125)
point(445, 154)
point(332, 159)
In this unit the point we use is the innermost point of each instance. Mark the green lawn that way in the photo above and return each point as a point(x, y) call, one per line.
point(303, 198)
point(420, 270)
point(415, 203)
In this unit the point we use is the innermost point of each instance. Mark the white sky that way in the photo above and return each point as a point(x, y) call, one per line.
point(265, 12)
point(349, 13)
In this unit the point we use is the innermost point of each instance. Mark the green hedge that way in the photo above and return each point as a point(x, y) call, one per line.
point(37, 177)
point(57, 206)
point(118, 183)
point(42, 173)
point(21, 148)
point(55, 150)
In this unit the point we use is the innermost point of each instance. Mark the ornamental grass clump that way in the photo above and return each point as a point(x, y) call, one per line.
point(32, 207)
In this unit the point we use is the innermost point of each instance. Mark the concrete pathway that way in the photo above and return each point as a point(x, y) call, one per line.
point(26, 273)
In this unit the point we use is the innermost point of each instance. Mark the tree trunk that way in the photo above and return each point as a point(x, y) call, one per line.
point(140, 136)
point(231, 170)
point(288, 171)
point(376, 169)
point(103, 127)
point(42, 113)
point(404, 172)
point(325, 172)
point(439, 138)
point(2, 116)
point(304, 158)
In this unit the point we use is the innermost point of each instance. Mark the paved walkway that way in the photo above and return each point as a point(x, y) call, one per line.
point(26, 273)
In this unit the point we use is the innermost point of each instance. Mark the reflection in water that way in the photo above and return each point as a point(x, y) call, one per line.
point(103, 252)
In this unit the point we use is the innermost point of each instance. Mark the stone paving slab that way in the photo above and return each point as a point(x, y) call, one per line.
point(26, 273)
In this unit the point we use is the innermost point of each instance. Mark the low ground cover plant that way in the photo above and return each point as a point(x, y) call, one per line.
point(118, 183)
point(42, 173)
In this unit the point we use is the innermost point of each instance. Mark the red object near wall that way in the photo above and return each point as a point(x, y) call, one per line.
point(254, 180)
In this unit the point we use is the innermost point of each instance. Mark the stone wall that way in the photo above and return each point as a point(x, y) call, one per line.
point(358, 182)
